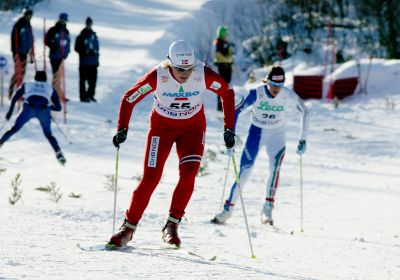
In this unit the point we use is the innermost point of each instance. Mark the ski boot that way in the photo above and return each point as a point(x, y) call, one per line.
point(223, 216)
point(266, 215)
point(121, 238)
point(60, 157)
point(170, 232)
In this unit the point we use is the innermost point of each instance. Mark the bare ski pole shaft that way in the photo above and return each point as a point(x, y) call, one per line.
point(115, 188)
point(301, 193)
point(226, 177)
point(62, 132)
point(242, 201)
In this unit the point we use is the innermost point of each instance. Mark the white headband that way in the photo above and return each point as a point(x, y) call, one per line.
point(278, 77)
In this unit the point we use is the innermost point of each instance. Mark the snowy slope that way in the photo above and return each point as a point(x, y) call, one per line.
point(351, 174)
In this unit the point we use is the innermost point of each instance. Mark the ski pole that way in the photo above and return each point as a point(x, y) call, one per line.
point(1, 88)
point(63, 78)
point(226, 177)
point(115, 188)
point(242, 201)
point(44, 44)
point(62, 132)
point(301, 194)
point(367, 75)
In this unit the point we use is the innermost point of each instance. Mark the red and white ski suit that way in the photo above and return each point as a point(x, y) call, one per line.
point(177, 117)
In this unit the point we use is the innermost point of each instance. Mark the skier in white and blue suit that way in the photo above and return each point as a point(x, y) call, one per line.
point(38, 95)
point(269, 103)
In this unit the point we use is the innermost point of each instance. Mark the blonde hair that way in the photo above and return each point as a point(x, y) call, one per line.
point(165, 64)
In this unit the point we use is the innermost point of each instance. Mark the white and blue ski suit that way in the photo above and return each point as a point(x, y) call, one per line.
point(36, 105)
point(267, 129)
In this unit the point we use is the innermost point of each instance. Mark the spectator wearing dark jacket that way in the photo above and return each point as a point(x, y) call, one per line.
point(87, 46)
point(59, 42)
point(21, 45)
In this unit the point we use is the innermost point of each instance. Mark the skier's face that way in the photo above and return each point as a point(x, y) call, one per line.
point(180, 75)
point(274, 90)
point(275, 87)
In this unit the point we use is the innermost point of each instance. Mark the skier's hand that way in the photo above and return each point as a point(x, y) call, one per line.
point(8, 116)
point(301, 148)
point(229, 138)
point(120, 137)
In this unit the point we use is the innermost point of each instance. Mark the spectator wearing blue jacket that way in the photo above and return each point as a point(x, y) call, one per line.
point(21, 45)
point(40, 100)
point(87, 46)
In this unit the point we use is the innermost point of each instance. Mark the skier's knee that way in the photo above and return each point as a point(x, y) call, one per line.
point(189, 169)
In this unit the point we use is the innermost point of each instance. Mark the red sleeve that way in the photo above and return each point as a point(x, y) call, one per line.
point(134, 95)
point(217, 84)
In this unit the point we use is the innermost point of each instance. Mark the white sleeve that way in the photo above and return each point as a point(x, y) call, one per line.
point(301, 107)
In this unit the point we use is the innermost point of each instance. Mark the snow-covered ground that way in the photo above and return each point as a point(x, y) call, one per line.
point(350, 171)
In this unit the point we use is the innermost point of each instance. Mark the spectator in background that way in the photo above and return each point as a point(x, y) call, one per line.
point(87, 46)
point(223, 57)
point(58, 40)
point(21, 45)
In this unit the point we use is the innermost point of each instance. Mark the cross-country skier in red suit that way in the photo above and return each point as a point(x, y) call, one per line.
point(177, 116)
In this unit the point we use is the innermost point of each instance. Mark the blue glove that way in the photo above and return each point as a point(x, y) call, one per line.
point(301, 148)
point(229, 152)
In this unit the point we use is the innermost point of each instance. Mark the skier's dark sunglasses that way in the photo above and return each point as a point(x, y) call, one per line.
point(181, 69)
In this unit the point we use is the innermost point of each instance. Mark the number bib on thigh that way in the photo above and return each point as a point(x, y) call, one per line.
point(179, 101)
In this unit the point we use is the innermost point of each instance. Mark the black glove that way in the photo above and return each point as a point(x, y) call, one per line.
point(8, 116)
point(229, 138)
point(120, 137)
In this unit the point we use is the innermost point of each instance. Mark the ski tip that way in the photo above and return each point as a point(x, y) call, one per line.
point(171, 246)
point(174, 246)
point(212, 258)
point(215, 221)
point(111, 247)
